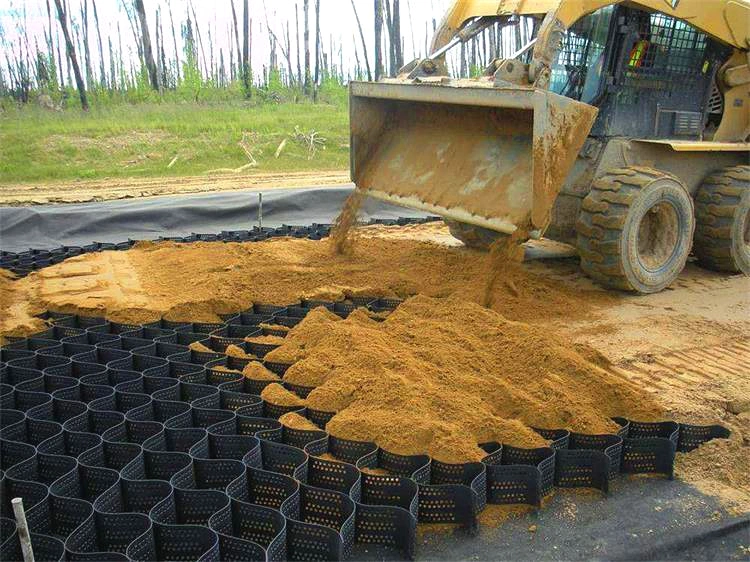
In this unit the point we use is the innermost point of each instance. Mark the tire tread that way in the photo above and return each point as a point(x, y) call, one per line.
point(716, 203)
point(602, 219)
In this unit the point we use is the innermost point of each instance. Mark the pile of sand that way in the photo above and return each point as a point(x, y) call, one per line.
point(293, 420)
point(238, 353)
point(17, 309)
point(276, 394)
point(199, 347)
point(440, 376)
point(199, 281)
point(256, 371)
point(719, 468)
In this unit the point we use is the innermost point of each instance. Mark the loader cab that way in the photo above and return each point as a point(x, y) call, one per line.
point(651, 76)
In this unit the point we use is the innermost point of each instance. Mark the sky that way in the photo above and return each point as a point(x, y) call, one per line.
point(337, 23)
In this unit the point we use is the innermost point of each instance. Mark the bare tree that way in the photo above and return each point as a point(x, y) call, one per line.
point(200, 39)
point(411, 28)
point(275, 41)
point(364, 43)
point(378, 39)
point(246, 49)
point(85, 38)
point(102, 71)
point(121, 64)
point(112, 66)
point(306, 8)
point(159, 50)
point(174, 40)
point(148, 55)
point(299, 53)
point(288, 55)
point(72, 55)
point(398, 52)
point(318, 48)
point(236, 36)
point(389, 37)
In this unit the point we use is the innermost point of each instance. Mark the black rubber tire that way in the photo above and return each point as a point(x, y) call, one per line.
point(472, 236)
point(635, 229)
point(722, 216)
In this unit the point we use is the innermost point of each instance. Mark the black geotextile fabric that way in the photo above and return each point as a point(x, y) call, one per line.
point(144, 218)
point(124, 443)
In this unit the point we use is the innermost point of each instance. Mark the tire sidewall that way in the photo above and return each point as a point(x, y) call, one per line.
point(740, 250)
point(662, 190)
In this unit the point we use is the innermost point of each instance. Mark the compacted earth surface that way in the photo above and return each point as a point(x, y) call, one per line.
point(82, 191)
point(481, 350)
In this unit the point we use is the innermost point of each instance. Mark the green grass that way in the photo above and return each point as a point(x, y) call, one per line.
point(140, 140)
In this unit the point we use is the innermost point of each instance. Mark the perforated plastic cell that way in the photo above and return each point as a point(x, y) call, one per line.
point(123, 427)
point(693, 436)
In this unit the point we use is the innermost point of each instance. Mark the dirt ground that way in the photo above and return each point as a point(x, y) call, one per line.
point(688, 346)
point(126, 188)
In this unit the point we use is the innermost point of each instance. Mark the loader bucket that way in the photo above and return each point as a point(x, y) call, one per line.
point(488, 156)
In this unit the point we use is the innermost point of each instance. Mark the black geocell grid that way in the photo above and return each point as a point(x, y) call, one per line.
point(126, 444)
point(23, 263)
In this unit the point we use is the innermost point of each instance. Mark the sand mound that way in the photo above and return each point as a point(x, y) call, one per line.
point(258, 372)
point(439, 376)
point(200, 348)
point(720, 467)
point(265, 340)
point(278, 395)
point(293, 420)
point(200, 281)
point(238, 353)
point(305, 334)
point(16, 309)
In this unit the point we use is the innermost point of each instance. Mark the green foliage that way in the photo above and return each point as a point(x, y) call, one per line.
point(118, 138)
point(192, 81)
point(476, 71)
point(332, 91)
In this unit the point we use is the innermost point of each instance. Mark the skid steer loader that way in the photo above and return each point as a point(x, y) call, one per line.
point(620, 127)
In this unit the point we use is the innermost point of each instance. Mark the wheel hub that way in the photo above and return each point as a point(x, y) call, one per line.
point(658, 235)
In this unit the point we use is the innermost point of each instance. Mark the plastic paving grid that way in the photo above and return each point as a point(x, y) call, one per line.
point(126, 444)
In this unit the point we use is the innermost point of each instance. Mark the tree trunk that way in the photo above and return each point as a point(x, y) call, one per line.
point(148, 55)
point(306, 8)
point(206, 71)
point(86, 51)
point(174, 40)
point(299, 46)
point(236, 37)
point(318, 49)
point(112, 67)
point(378, 39)
point(288, 55)
point(222, 71)
point(463, 71)
point(246, 49)
point(211, 71)
point(411, 28)
point(51, 47)
point(389, 29)
point(398, 51)
point(121, 64)
point(102, 68)
point(72, 55)
point(364, 43)
point(159, 68)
